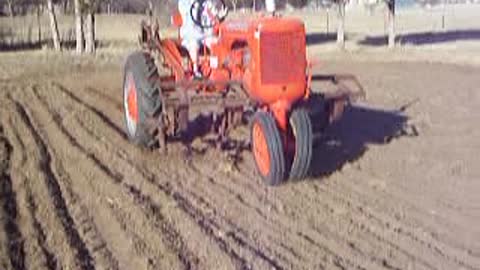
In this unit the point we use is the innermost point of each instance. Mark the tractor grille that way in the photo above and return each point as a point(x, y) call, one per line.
point(282, 57)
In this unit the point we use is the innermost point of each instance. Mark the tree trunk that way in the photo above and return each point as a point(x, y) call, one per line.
point(391, 23)
point(341, 24)
point(90, 31)
point(328, 20)
point(150, 12)
point(39, 25)
point(10, 7)
point(53, 25)
point(78, 27)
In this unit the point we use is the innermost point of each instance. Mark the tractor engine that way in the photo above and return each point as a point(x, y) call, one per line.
point(267, 54)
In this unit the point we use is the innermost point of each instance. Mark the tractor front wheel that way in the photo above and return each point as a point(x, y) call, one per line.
point(141, 97)
point(301, 131)
point(267, 148)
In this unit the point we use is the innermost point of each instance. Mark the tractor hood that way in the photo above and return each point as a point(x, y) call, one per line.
point(243, 26)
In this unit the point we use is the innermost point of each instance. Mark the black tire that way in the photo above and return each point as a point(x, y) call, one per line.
point(301, 128)
point(274, 148)
point(144, 74)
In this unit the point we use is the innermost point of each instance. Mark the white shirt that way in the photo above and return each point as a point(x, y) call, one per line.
point(189, 31)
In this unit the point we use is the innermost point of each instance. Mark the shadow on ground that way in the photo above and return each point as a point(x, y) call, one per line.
point(9, 46)
point(425, 38)
point(320, 37)
point(348, 139)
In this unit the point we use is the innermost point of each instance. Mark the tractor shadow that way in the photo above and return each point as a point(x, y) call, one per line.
point(341, 143)
point(347, 140)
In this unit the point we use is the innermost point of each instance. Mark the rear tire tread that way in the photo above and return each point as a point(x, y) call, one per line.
point(142, 67)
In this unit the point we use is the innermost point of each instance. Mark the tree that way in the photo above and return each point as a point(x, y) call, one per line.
point(78, 26)
point(10, 7)
point(341, 24)
point(391, 23)
point(53, 25)
point(234, 4)
point(90, 26)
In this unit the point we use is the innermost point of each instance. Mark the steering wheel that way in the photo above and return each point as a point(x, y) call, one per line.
point(207, 13)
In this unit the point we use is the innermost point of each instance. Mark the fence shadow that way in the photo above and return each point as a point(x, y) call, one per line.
point(425, 38)
point(347, 140)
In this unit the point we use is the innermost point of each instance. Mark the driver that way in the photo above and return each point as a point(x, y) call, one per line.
point(192, 34)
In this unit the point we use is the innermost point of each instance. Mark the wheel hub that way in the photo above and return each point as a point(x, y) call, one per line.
point(260, 149)
point(130, 103)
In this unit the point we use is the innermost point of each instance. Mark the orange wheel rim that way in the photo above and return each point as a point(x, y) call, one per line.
point(132, 100)
point(260, 149)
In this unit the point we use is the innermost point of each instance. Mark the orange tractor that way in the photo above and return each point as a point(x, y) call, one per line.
point(255, 66)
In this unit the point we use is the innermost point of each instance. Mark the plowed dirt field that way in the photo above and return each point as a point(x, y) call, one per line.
point(394, 184)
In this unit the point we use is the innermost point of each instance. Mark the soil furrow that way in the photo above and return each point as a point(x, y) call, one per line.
point(88, 229)
point(208, 226)
point(116, 103)
point(389, 224)
point(72, 182)
point(170, 236)
point(380, 261)
point(96, 111)
point(278, 225)
point(331, 199)
point(37, 252)
point(360, 243)
point(8, 202)
point(443, 248)
point(238, 240)
point(83, 256)
point(51, 260)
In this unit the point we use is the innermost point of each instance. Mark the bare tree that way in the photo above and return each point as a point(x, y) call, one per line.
point(391, 23)
point(90, 26)
point(109, 7)
point(341, 23)
point(53, 25)
point(10, 7)
point(90, 32)
point(39, 23)
point(78, 26)
point(234, 4)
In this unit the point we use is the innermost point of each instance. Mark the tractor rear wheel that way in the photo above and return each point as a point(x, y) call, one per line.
point(141, 98)
point(267, 148)
point(301, 129)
